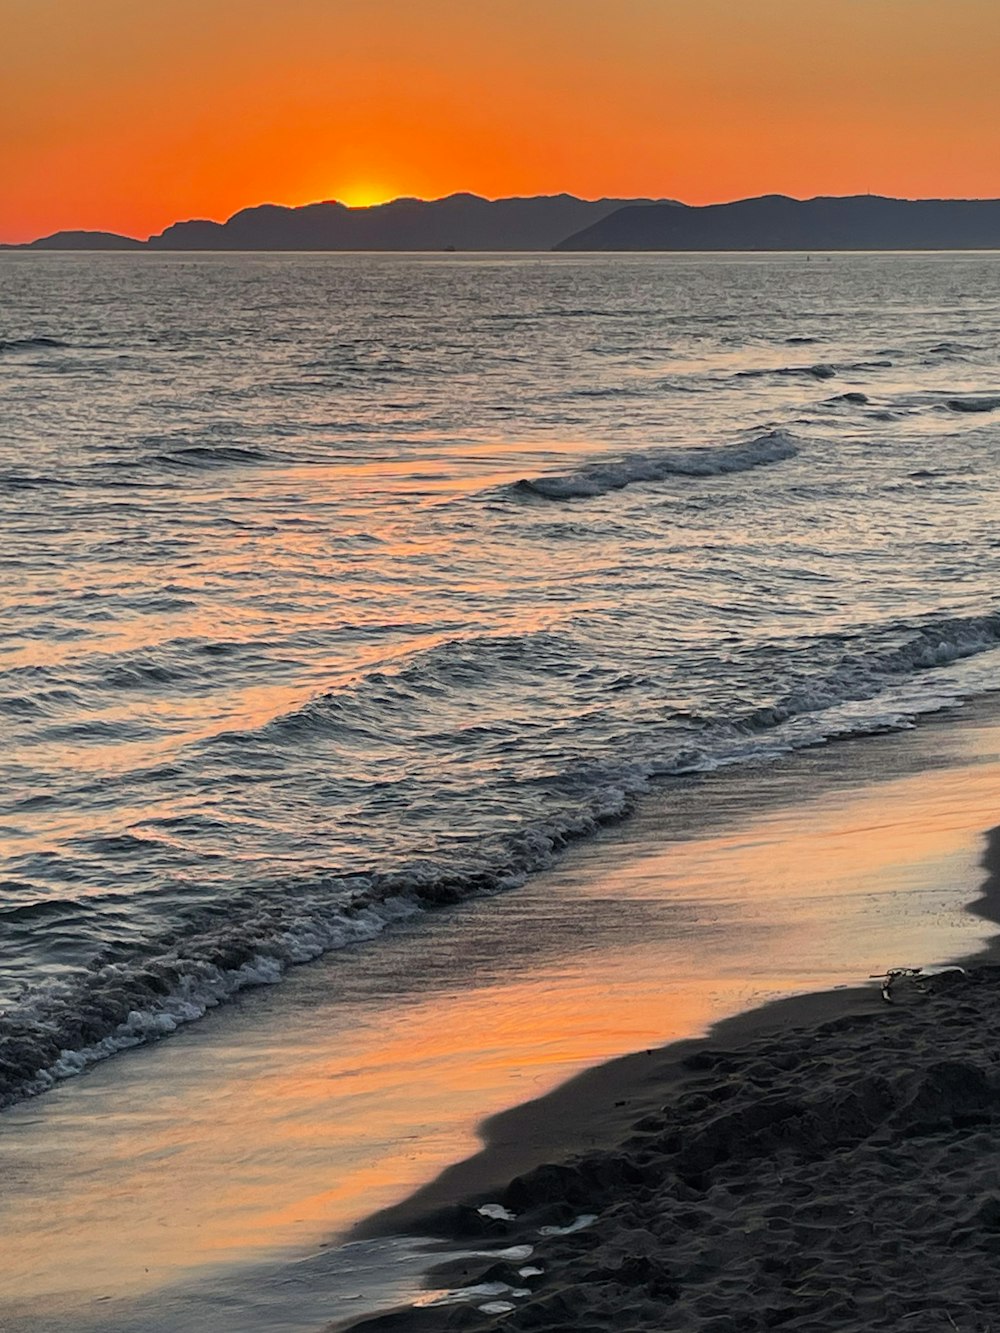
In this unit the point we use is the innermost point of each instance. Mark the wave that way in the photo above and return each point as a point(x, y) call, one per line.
point(609, 391)
point(61, 1028)
point(861, 672)
point(28, 344)
point(615, 474)
point(820, 371)
point(32, 481)
point(983, 403)
point(864, 675)
point(40, 910)
point(138, 675)
point(959, 351)
point(123, 999)
point(210, 455)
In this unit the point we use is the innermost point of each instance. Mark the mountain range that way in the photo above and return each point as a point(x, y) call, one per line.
point(459, 221)
point(565, 223)
point(775, 222)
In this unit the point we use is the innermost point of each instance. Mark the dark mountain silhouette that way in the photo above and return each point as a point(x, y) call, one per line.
point(462, 221)
point(775, 222)
point(81, 240)
point(563, 222)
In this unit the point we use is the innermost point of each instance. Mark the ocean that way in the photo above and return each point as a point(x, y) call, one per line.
point(338, 588)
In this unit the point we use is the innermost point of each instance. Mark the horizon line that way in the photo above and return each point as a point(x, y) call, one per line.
point(626, 201)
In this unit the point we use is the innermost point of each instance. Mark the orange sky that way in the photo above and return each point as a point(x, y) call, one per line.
point(130, 114)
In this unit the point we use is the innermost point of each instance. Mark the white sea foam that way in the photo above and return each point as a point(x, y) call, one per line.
point(578, 1224)
point(657, 465)
point(475, 1293)
point(931, 666)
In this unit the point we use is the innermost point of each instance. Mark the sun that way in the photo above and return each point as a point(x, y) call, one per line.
point(363, 194)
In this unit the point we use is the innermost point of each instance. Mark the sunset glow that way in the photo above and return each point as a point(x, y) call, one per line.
point(126, 117)
point(363, 194)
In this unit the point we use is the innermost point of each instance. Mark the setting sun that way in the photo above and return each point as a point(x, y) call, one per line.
point(363, 194)
point(131, 117)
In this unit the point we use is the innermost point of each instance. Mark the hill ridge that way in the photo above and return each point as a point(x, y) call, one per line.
point(564, 223)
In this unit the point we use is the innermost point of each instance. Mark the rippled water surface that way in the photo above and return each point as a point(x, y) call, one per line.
point(338, 586)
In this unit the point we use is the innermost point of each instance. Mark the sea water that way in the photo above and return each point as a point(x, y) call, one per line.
point(336, 587)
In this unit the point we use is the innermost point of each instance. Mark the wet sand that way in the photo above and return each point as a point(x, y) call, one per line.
point(827, 1162)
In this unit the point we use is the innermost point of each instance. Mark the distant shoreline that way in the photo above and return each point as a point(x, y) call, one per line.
point(465, 223)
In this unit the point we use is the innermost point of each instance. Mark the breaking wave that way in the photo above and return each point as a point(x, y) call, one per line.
point(615, 474)
point(132, 996)
point(60, 1028)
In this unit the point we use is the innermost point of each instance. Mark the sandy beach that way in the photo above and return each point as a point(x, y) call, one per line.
point(827, 1162)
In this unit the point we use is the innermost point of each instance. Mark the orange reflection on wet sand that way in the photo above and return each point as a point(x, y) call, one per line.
point(283, 1120)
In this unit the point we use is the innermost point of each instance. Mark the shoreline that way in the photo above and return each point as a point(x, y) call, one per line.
point(830, 864)
point(600, 1099)
point(572, 1155)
